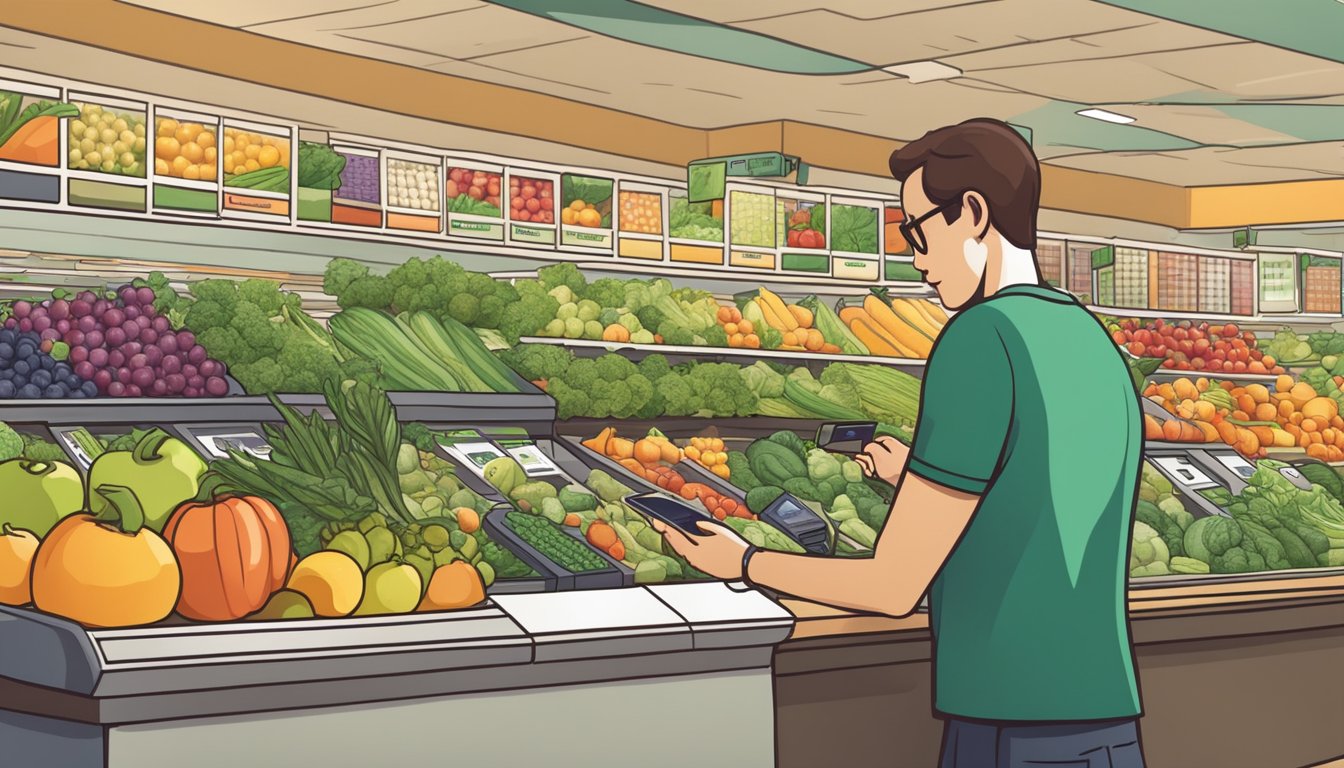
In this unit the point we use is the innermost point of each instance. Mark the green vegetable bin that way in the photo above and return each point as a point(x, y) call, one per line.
point(556, 577)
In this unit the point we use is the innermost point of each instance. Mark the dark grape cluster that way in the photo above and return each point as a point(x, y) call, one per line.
point(122, 345)
point(27, 372)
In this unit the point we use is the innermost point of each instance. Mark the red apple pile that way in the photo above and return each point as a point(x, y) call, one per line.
point(1187, 346)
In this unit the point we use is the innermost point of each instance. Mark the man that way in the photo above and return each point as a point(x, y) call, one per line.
point(1014, 506)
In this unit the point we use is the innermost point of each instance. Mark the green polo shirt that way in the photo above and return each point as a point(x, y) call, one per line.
point(1028, 403)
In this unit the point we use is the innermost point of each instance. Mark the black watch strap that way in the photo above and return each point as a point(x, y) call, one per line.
point(746, 561)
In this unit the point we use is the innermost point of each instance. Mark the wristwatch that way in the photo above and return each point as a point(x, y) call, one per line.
point(746, 561)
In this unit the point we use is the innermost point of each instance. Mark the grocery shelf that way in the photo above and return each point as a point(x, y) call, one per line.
point(1243, 320)
point(1171, 374)
point(677, 354)
point(517, 409)
point(820, 284)
point(1152, 582)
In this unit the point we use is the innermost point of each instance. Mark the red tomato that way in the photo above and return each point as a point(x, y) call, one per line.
point(475, 193)
point(533, 205)
point(522, 215)
point(793, 238)
point(517, 203)
point(492, 187)
point(529, 192)
point(450, 189)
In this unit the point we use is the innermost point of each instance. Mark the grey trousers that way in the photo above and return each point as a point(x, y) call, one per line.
point(1100, 744)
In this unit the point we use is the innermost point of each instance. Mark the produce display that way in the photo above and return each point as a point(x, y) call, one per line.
point(585, 201)
point(558, 547)
point(895, 326)
point(31, 134)
point(753, 219)
point(531, 200)
point(545, 509)
point(475, 192)
point(653, 458)
point(792, 321)
point(1253, 418)
point(785, 462)
point(255, 161)
point(106, 140)
point(185, 150)
point(320, 166)
point(114, 345)
point(801, 224)
point(853, 228)
point(28, 372)
point(413, 185)
point(359, 180)
point(641, 213)
point(894, 243)
point(414, 352)
point(695, 221)
point(1187, 346)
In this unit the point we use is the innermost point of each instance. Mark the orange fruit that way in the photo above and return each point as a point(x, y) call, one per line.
point(167, 148)
point(578, 205)
point(167, 126)
point(568, 217)
point(589, 217)
point(193, 152)
point(180, 165)
point(206, 138)
point(268, 157)
point(192, 172)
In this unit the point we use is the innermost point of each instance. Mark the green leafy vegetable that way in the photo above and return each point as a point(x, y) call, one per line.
point(320, 166)
point(853, 229)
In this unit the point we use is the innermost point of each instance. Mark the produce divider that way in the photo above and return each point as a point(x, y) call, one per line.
point(680, 354)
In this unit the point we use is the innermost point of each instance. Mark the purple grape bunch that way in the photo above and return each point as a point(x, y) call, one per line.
point(122, 345)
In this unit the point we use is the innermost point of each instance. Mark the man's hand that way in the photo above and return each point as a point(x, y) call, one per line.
point(884, 459)
point(717, 551)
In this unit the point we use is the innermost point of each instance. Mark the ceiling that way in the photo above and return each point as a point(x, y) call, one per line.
point(1211, 107)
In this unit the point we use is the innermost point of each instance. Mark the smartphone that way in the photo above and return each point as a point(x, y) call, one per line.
point(668, 510)
point(846, 436)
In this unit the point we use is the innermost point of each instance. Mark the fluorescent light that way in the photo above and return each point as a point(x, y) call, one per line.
point(1106, 115)
point(924, 71)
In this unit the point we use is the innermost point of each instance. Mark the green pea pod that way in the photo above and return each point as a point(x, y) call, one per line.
point(161, 471)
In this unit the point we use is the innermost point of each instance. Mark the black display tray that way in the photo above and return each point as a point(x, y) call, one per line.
point(618, 575)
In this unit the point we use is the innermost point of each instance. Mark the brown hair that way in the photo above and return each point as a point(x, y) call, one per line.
point(981, 155)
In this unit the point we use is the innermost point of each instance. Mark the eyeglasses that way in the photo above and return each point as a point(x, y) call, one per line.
point(914, 234)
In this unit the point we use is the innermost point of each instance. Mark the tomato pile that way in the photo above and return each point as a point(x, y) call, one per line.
point(1186, 346)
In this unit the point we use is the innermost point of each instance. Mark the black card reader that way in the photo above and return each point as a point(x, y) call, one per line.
point(799, 523)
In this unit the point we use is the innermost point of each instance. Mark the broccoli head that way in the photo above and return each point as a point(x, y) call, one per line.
point(720, 390)
point(675, 334)
point(371, 291)
point(564, 273)
point(340, 273)
point(464, 308)
point(569, 402)
point(607, 292)
point(11, 445)
point(654, 367)
point(535, 362)
point(650, 317)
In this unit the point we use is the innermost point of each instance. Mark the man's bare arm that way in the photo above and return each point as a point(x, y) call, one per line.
point(925, 523)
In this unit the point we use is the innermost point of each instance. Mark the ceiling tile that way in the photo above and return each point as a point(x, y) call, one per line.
point(1255, 71)
point(1203, 124)
point(945, 32)
point(241, 13)
point(480, 31)
point(1107, 81)
point(1158, 36)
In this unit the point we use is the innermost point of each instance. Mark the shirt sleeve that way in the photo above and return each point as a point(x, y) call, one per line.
point(966, 406)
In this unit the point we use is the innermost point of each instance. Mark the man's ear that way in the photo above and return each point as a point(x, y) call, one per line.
point(979, 212)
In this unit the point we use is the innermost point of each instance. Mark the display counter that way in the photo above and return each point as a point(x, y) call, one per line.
point(1236, 674)
point(508, 683)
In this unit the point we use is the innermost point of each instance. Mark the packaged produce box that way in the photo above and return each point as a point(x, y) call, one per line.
point(256, 161)
point(586, 213)
point(532, 208)
point(319, 174)
point(641, 213)
point(186, 163)
point(413, 192)
point(30, 124)
point(474, 193)
point(108, 138)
